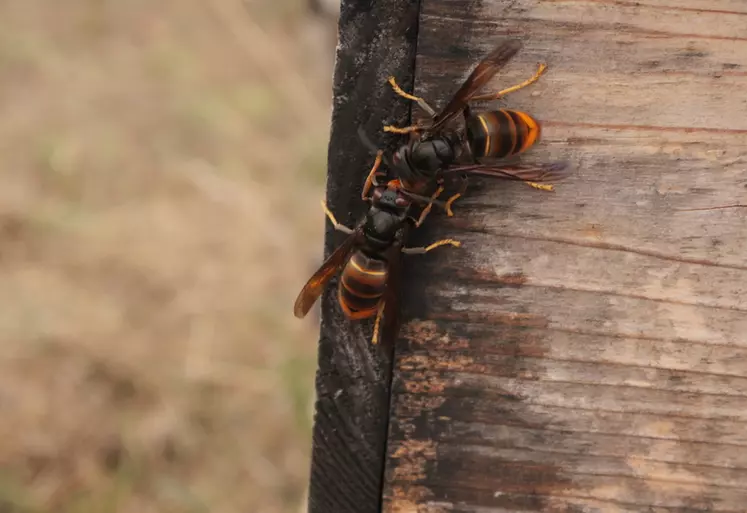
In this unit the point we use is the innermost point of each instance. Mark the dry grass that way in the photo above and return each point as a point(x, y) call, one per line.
point(161, 168)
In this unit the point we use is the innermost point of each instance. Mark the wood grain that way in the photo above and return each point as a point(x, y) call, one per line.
point(376, 39)
point(586, 350)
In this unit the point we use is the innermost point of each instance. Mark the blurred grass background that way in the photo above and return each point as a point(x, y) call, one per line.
point(162, 164)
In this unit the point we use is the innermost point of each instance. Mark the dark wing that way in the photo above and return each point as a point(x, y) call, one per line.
point(552, 172)
point(481, 75)
point(314, 287)
point(390, 320)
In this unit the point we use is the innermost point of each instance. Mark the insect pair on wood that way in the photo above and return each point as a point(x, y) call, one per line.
point(370, 256)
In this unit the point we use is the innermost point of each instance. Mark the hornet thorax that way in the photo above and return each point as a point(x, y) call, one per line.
point(421, 159)
point(386, 217)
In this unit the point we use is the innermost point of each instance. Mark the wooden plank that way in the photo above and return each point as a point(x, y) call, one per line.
point(376, 40)
point(586, 350)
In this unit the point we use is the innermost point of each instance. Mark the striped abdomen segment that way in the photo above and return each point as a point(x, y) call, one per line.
point(361, 286)
point(501, 133)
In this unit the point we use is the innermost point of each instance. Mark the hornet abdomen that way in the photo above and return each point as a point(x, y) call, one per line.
point(362, 284)
point(501, 133)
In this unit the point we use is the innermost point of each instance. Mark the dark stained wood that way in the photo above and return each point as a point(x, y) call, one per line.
point(376, 39)
point(586, 350)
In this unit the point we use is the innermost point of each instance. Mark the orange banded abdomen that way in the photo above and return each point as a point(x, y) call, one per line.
point(501, 133)
point(362, 285)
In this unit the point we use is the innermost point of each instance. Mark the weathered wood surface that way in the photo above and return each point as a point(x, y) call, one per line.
point(586, 350)
point(377, 39)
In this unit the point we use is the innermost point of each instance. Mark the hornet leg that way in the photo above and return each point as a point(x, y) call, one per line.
point(371, 180)
point(541, 186)
point(419, 100)
point(499, 94)
point(406, 130)
point(420, 251)
point(427, 209)
point(379, 314)
point(331, 216)
point(456, 196)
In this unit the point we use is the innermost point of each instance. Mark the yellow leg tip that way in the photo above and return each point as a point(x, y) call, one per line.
point(377, 325)
point(398, 130)
point(449, 203)
point(542, 187)
point(444, 242)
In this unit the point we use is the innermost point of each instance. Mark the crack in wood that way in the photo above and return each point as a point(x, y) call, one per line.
point(466, 225)
point(643, 5)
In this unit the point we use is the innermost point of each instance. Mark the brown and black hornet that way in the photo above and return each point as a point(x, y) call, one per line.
point(434, 147)
point(370, 257)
